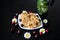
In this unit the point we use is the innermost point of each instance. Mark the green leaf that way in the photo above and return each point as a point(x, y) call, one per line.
point(42, 6)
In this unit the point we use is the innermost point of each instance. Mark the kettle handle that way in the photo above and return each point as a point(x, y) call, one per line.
point(51, 2)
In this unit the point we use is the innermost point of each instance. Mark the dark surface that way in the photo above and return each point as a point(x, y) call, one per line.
point(10, 7)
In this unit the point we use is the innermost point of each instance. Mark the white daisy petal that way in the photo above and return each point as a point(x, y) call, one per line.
point(14, 20)
point(27, 35)
point(45, 20)
point(24, 11)
point(42, 30)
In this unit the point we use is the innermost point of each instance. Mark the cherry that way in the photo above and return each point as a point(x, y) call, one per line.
point(18, 31)
point(12, 30)
point(33, 31)
point(12, 22)
point(35, 36)
point(46, 30)
point(41, 33)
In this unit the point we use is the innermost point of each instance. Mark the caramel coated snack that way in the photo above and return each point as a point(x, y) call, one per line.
point(29, 20)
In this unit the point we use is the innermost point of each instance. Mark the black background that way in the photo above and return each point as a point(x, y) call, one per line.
point(11, 7)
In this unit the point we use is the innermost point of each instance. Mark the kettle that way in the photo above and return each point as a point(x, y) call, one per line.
point(42, 5)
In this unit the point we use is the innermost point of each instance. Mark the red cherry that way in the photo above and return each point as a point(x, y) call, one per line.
point(18, 31)
point(46, 30)
point(35, 36)
point(41, 33)
point(33, 31)
point(12, 22)
point(12, 30)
